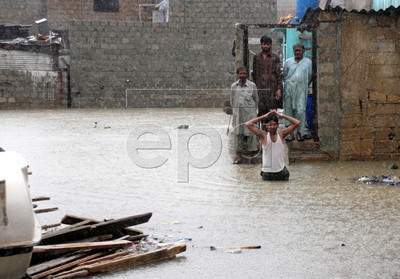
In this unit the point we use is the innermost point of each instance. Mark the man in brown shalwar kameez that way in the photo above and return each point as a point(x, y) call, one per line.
point(267, 75)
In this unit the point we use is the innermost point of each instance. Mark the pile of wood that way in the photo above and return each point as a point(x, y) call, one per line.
point(82, 247)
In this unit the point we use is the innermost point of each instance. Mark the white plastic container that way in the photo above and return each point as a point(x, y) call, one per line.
point(19, 229)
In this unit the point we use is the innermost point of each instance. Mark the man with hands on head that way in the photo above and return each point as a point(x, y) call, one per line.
point(272, 143)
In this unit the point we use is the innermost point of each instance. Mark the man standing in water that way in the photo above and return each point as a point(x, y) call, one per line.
point(244, 102)
point(272, 142)
point(297, 74)
point(267, 75)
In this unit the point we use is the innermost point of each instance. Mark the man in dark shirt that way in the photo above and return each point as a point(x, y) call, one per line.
point(267, 75)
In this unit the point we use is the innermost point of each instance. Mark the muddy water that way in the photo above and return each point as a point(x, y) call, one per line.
point(318, 225)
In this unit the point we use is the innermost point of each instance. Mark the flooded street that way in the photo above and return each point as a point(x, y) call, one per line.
point(320, 224)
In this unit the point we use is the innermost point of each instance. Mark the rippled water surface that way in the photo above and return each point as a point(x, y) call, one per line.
point(320, 224)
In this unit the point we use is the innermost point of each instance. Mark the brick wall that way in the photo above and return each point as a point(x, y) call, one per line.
point(22, 11)
point(192, 51)
point(328, 101)
point(370, 87)
point(359, 99)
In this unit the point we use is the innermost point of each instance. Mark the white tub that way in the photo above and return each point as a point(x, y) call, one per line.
point(19, 229)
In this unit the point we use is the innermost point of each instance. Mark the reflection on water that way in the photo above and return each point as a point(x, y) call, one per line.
point(320, 224)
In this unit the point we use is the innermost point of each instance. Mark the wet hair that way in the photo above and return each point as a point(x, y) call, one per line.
point(272, 118)
point(299, 45)
point(266, 40)
point(241, 69)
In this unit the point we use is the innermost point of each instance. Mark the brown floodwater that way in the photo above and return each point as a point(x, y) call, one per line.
point(320, 224)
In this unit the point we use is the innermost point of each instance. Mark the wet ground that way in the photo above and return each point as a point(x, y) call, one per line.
point(320, 224)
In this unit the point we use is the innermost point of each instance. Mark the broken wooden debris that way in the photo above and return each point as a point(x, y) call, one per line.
point(66, 266)
point(45, 210)
point(50, 226)
point(213, 248)
point(133, 237)
point(54, 263)
point(40, 199)
point(103, 237)
point(86, 247)
point(132, 260)
point(95, 229)
point(69, 219)
point(81, 246)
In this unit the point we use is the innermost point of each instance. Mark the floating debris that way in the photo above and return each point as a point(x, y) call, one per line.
point(393, 166)
point(82, 247)
point(382, 179)
point(183, 126)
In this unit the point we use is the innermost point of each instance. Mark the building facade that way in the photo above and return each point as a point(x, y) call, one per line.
point(121, 56)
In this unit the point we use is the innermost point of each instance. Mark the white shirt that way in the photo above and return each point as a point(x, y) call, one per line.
point(273, 155)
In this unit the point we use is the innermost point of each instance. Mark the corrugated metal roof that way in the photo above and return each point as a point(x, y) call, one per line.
point(383, 4)
point(313, 12)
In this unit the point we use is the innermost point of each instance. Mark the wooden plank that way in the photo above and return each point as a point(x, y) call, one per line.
point(69, 219)
point(97, 238)
point(49, 226)
point(133, 237)
point(75, 274)
point(45, 210)
point(81, 246)
point(66, 266)
point(135, 259)
point(65, 229)
point(107, 227)
point(40, 199)
point(54, 263)
point(108, 257)
point(71, 275)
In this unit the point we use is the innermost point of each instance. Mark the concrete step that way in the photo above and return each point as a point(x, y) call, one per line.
point(307, 145)
point(308, 156)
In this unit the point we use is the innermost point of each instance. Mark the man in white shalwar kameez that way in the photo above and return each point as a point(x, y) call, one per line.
point(297, 74)
point(244, 103)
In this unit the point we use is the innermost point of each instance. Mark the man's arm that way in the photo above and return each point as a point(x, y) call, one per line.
point(278, 75)
point(254, 73)
point(294, 124)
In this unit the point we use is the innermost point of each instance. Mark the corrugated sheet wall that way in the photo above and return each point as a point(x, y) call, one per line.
point(384, 4)
point(25, 60)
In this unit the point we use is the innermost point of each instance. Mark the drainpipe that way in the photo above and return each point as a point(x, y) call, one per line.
point(69, 94)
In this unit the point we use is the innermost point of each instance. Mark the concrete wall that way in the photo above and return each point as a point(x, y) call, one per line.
point(359, 99)
point(192, 51)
